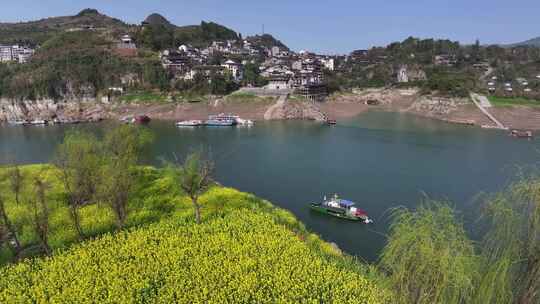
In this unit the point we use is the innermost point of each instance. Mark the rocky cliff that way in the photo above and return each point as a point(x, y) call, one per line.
point(48, 109)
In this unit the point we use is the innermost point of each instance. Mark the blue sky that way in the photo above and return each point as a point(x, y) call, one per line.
point(336, 26)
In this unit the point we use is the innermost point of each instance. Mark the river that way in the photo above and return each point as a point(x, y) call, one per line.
point(380, 160)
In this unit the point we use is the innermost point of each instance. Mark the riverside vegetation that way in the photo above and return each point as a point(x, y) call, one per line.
point(95, 225)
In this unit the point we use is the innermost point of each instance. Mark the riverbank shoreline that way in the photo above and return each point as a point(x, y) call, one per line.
point(336, 107)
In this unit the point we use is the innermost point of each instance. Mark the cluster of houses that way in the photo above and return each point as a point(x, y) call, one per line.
point(301, 73)
point(15, 53)
point(509, 87)
point(286, 71)
point(186, 63)
point(445, 60)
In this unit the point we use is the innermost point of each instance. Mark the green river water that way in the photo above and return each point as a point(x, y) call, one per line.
point(380, 160)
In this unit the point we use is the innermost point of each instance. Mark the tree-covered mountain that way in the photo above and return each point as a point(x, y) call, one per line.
point(78, 57)
point(37, 32)
point(159, 33)
point(157, 19)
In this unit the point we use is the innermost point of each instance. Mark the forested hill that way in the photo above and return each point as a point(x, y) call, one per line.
point(160, 33)
point(266, 40)
point(37, 32)
point(76, 55)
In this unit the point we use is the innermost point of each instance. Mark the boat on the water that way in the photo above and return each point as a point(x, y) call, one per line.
point(19, 122)
point(521, 134)
point(341, 208)
point(190, 123)
point(222, 120)
point(244, 122)
point(38, 122)
point(220, 123)
point(331, 122)
point(141, 119)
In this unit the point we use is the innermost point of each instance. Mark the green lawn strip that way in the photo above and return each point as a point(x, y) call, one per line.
point(513, 101)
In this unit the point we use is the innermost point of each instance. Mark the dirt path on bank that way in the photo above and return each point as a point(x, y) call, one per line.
point(270, 112)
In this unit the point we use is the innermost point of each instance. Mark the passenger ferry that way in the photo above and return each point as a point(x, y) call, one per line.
point(222, 120)
point(341, 208)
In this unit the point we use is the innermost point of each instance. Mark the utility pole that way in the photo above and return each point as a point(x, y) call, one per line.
point(263, 29)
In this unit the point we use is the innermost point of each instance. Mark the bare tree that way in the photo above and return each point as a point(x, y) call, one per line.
point(9, 228)
point(16, 180)
point(194, 177)
point(41, 215)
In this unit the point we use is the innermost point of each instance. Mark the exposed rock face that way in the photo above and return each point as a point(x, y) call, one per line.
point(437, 105)
point(410, 73)
point(294, 110)
point(87, 109)
point(302, 110)
point(381, 96)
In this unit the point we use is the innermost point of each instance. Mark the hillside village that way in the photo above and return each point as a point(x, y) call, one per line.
point(283, 69)
point(93, 57)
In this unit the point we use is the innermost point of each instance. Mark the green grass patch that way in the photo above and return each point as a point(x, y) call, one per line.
point(188, 96)
point(144, 97)
point(245, 97)
point(513, 101)
point(297, 98)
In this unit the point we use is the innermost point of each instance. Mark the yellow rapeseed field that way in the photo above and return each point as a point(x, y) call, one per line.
point(239, 258)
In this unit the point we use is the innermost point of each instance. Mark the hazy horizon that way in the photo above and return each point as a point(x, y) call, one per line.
point(339, 27)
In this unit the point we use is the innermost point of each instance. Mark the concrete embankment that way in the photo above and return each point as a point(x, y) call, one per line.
point(482, 103)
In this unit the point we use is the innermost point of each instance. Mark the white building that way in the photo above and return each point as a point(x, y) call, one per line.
point(275, 51)
point(9, 53)
point(5, 53)
point(402, 75)
point(236, 69)
point(278, 82)
point(126, 39)
point(328, 63)
point(127, 43)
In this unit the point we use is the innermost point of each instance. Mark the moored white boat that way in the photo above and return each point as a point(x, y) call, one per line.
point(19, 122)
point(244, 122)
point(38, 122)
point(189, 123)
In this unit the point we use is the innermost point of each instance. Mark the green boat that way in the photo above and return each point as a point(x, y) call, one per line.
point(341, 208)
